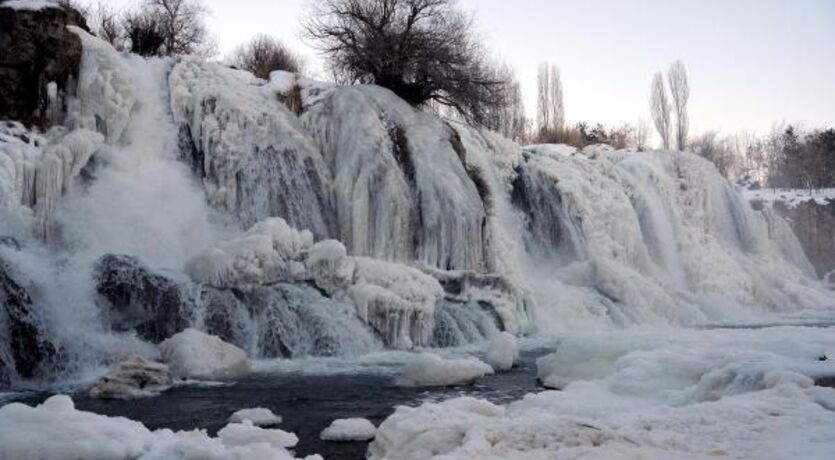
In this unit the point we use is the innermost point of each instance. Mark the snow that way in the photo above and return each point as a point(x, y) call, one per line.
point(266, 253)
point(431, 370)
point(194, 355)
point(29, 5)
point(55, 430)
point(502, 351)
point(245, 433)
point(644, 393)
point(133, 377)
point(789, 197)
point(258, 416)
point(349, 429)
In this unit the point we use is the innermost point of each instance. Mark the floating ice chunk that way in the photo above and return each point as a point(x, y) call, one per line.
point(242, 434)
point(431, 429)
point(258, 416)
point(502, 351)
point(55, 430)
point(193, 354)
point(349, 429)
point(430, 370)
point(134, 377)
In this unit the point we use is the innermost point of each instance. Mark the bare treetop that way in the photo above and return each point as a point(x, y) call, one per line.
point(660, 109)
point(423, 50)
point(680, 90)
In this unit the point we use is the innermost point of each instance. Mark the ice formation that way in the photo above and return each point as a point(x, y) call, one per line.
point(259, 416)
point(313, 219)
point(56, 430)
point(502, 351)
point(643, 393)
point(431, 370)
point(349, 429)
point(195, 355)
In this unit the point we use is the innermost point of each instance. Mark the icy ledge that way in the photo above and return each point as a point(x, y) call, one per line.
point(56, 430)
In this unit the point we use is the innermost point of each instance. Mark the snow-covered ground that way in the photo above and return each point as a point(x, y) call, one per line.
point(789, 196)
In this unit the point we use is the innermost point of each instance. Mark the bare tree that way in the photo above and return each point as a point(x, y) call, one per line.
point(264, 54)
point(543, 97)
point(550, 106)
point(680, 90)
point(557, 105)
point(660, 109)
point(106, 23)
point(640, 135)
point(180, 24)
point(423, 50)
point(509, 118)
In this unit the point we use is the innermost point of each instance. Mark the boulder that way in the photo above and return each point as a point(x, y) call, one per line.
point(154, 304)
point(192, 354)
point(39, 62)
point(24, 350)
point(134, 377)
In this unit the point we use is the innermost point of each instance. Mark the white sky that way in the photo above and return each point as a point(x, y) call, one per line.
point(751, 63)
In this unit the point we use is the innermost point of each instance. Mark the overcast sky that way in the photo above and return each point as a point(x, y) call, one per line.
point(751, 63)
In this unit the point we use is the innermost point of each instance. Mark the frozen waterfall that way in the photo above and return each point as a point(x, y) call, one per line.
point(181, 193)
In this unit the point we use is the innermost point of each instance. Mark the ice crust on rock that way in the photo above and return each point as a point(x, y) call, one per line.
point(254, 157)
point(196, 355)
point(259, 416)
point(267, 253)
point(349, 430)
point(133, 377)
point(431, 370)
point(55, 430)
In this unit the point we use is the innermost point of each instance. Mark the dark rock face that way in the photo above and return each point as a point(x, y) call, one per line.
point(814, 225)
point(26, 350)
point(35, 49)
point(153, 304)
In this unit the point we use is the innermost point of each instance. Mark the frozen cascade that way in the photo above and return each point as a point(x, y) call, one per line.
point(401, 190)
point(443, 234)
point(252, 153)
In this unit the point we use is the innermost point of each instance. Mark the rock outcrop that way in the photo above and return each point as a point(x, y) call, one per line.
point(134, 377)
point(136, 298)
point(25, 350)
point(39, 62)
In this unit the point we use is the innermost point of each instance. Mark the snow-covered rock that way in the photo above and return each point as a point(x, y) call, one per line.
point(349, 430)
point(431, 370)
point(133, 377)
point(267, 253)
point(195, 355)
point(259, 416)
point(420, 433)
point(502, 351)
point(55, 430)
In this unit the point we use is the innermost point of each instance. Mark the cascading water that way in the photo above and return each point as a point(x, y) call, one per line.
point(463, 233)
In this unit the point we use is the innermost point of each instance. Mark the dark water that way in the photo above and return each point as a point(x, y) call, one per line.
point(307, 403)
